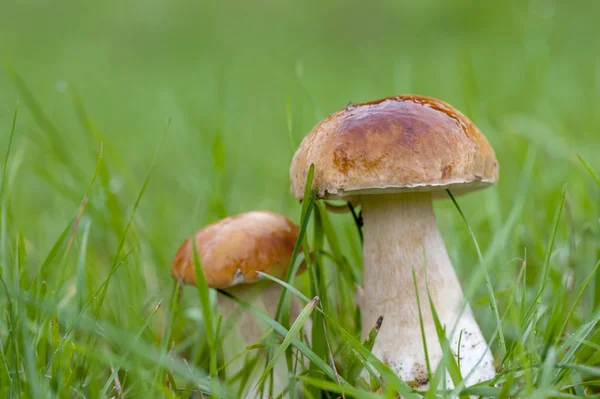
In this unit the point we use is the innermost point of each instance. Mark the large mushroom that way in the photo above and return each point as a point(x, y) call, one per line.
point(393, 156)
point(232, 251)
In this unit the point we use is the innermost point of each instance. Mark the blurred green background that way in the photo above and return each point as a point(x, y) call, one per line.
point(243, 82)
point(239, 75)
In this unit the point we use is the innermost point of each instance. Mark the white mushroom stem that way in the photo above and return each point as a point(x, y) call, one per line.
point(401, 234)
point(242, 329)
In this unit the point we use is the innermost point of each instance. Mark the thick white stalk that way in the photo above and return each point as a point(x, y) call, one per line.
point(401, 234)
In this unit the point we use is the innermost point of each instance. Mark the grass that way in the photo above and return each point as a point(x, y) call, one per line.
point(96, 196)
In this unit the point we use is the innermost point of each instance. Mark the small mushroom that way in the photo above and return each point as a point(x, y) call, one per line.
point(231, 252)
point(393, 156)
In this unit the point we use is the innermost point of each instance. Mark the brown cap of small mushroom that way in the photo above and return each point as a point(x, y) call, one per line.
point(396, 144)
point(233, 249)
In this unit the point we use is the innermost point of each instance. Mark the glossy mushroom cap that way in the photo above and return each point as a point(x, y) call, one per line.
point(233, 249)
point(397, 144)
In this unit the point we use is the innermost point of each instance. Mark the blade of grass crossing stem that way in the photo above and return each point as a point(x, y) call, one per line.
point(426, 352)
point(283, 306)
point(436, 379)
point(307, 206)
point(132, 217)
point(202, 288)
point(549, 250)
point(301, 346)
point(294, 329)
point(448, 358)
point(8, 148)
point(488, 282)
point(590, 170)
point(293, 289)
point(391, 378)
point(354, 367)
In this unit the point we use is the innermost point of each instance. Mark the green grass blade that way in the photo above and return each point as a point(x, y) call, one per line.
point(287, 286)
point(422, 326)
point(54, 138)
point(132, 217)
point(590, 170)
point(346, 389)
point(293, 331)
point(350, 271)
point(357, 221)
point(392, 381)
point(355, 366)
point(8, 148)
point(307, 206)
point(301, 346)
point(569, 315)
point(317, 289)
point(207, 313)
point(80, 315)
point(549, 250)
point(488, 282)
point(448, 359)
point(138, 335)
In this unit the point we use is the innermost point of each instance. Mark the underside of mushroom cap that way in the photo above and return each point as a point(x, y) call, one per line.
point(397, 144)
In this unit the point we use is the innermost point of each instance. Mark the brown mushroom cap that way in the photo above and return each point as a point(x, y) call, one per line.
point(233, 249)
point(396, 144)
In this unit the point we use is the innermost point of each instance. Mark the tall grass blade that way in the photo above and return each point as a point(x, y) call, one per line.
point(590, 170)
point(549, 249)
point(8, 148)
point(488, 282)
point(208, 317)
point(293, 331)
point(132, 217)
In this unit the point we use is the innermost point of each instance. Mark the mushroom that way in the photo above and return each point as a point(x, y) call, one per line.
point(231, 252)
point(393, 156)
